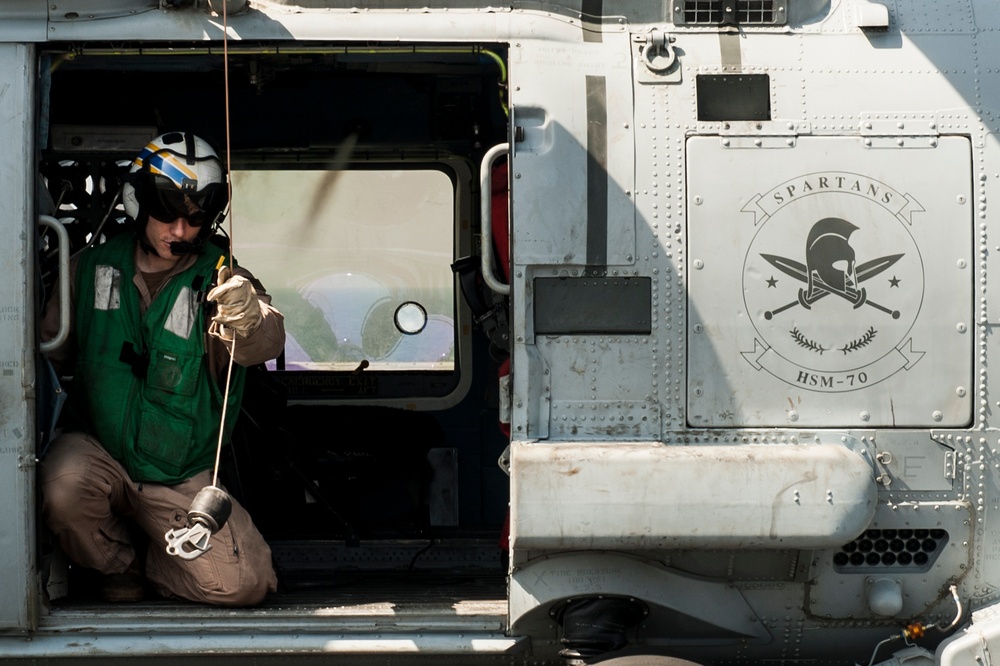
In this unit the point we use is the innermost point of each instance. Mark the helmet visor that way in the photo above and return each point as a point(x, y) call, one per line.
point(166, 203)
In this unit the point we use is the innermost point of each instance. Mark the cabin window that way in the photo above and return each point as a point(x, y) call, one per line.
point(353, 257)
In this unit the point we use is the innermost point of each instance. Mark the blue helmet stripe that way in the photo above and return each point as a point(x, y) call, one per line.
point(166, 164)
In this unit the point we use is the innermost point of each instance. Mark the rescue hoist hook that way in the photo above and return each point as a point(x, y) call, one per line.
point(209, 511)
point(211, 507)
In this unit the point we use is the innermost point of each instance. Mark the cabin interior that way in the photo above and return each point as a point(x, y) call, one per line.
point(368, 451)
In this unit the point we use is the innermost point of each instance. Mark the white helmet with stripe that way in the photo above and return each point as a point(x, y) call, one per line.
point(176, 175)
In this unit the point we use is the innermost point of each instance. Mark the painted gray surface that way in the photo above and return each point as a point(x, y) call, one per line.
point(843, 100)
point(17, 317)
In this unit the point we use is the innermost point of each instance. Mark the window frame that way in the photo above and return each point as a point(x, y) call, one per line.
point(423, 389)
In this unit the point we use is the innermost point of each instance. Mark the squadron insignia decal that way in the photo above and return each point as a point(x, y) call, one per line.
point(833, 282)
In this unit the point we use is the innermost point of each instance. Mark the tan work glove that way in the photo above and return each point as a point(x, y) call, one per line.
point(237, 307)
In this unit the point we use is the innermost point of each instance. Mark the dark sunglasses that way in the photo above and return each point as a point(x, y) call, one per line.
point(166, 203)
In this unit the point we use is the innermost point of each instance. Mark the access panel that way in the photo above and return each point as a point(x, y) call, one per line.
point(831, 283)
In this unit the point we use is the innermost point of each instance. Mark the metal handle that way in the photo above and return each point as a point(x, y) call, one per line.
point(63, 237)
point(486, 216)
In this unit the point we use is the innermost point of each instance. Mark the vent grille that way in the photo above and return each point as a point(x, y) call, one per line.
point(729, 12)
point(757, 12)
point(914, 549)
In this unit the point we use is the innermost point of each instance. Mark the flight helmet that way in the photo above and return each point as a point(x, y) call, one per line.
point(176, 175)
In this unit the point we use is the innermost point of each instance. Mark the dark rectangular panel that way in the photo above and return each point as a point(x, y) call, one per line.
point(734, 97)
point(592, 19)
point(597, 171)
point(569, 306)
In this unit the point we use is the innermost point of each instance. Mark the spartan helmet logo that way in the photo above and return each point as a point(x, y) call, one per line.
point(830, 264)
point(831, 268)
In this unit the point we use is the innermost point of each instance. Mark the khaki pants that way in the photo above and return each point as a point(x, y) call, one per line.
point(86, 497)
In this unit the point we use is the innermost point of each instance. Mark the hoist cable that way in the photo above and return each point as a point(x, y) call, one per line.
point(229, 198)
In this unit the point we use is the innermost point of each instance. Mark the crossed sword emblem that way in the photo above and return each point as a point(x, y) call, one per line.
point(817, 289)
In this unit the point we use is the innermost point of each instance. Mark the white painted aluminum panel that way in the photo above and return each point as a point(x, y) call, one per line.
point(23, 21)
point(831, 283)
point(574, 171)
point(642, 496)
point(267, 21)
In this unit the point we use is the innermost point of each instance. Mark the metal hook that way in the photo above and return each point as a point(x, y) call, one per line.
point(189, 543)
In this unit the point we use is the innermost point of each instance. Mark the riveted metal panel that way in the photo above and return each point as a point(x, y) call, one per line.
point(604, 419)
point(573, 172)
point(934, 534)
point(831, 284)
point(952, 17)
point(913, 460)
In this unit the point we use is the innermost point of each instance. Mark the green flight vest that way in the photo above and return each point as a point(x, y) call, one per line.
point(144, 380)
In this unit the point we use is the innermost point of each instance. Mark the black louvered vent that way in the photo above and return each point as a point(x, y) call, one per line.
point(729, 12)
